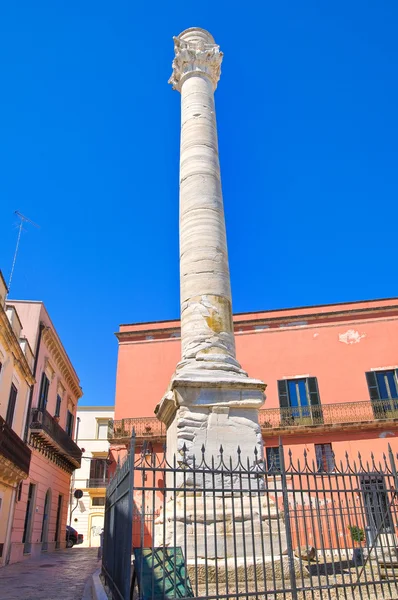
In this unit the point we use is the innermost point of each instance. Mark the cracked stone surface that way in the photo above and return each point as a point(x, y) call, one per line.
point(62, 574)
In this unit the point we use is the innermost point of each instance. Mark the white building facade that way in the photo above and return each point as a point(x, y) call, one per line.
point(87, 514)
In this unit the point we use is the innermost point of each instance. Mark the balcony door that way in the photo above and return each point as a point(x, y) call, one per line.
point(98, 472)
point(299, 401)
point(383, 391)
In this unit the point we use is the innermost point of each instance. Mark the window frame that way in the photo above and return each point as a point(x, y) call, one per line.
point(43, 392)
point(58, 406)
point(102, 422)
point(311, 411)
point(12, 402)
point(70, 422)
point(98, 498)
point(273, 466)
point(329, 458)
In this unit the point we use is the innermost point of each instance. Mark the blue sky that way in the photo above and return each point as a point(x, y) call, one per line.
point(89, 149)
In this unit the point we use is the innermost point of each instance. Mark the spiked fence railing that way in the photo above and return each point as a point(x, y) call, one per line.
point(232, 526)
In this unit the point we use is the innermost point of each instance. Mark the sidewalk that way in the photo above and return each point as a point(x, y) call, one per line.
point(60, 575)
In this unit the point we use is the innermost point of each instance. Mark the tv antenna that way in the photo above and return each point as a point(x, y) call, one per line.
point(23, 220)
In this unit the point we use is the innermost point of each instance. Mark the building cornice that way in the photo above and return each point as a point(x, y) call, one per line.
point(60, 357)
point(169, 329)
point(12, 343)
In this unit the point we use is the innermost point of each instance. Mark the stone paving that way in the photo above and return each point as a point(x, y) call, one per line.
point(60, 575)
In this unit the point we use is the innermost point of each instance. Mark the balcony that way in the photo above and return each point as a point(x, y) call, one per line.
point(343, 415)
point(49, 436)
point(97, 482)
point(146, 428)
point(273, 421)
point(14, 454)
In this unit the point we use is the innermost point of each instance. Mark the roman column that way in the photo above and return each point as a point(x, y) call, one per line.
point(211, 400)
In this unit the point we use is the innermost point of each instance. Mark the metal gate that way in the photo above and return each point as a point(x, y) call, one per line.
point(118, 528)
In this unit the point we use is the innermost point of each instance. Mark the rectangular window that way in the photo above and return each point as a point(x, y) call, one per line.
point(383, 392)
point(324, 458)
point(11, 405)
point(299, 401)
point(102, 432)
point(43, 394)
point(98, 501)
point(69, 423)
point(273, 459)
point(99, 469)
point(58, 406)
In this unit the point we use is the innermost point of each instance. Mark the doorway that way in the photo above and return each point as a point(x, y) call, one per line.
point(45, 523)
point(58, 522)
point(377, 509)
point(27, 530)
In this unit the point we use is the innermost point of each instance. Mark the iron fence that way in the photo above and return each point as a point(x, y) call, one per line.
point(234, 527)
point(143, 427)
point(329, 414)
point(367, 411)
point(118, 527)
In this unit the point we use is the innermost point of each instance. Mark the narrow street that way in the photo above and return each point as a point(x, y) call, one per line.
point(60, 575)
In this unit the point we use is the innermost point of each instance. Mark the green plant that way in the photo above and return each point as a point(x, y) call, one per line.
point(357, 533)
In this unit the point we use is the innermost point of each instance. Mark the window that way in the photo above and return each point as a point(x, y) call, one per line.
point(324, 457)
point(383, 392)
point(102, 431)
point(58, 406)
point(383, 385)
point(43, 394)
point(98, 501)
point(11, 405)
point(273, 459)
point(299, 399)
point(99, 470)
point(69, 423)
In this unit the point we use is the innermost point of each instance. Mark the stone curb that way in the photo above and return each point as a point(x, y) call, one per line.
point(98, 589)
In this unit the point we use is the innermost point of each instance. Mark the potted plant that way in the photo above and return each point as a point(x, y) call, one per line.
point(358, 536)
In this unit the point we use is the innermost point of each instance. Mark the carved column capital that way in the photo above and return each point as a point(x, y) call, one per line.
point(195, 54)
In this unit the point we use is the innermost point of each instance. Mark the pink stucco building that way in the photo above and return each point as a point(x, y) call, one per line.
point(331, 373)
point(42, 500)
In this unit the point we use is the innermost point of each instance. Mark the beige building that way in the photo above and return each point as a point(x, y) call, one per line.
point(16, 385)
point(87, 514)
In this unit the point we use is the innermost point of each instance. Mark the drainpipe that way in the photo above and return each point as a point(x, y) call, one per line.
point(27, 421)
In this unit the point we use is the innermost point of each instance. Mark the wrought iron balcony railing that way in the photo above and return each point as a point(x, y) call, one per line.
point(145, 427)
point(13, 448)
point(97, 482)
point(46, 428)
point(343, 413)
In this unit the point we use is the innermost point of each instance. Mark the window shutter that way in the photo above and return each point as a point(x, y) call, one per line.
point(11, 405)
point(283, 393)
point(312, 386)
point(372, 385)
point(44, 386)
point(47, 386)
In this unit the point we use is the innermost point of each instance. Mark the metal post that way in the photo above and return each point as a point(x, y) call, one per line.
point(292, 572)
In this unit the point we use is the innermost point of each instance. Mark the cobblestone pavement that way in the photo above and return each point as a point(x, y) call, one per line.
point(60, 575)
